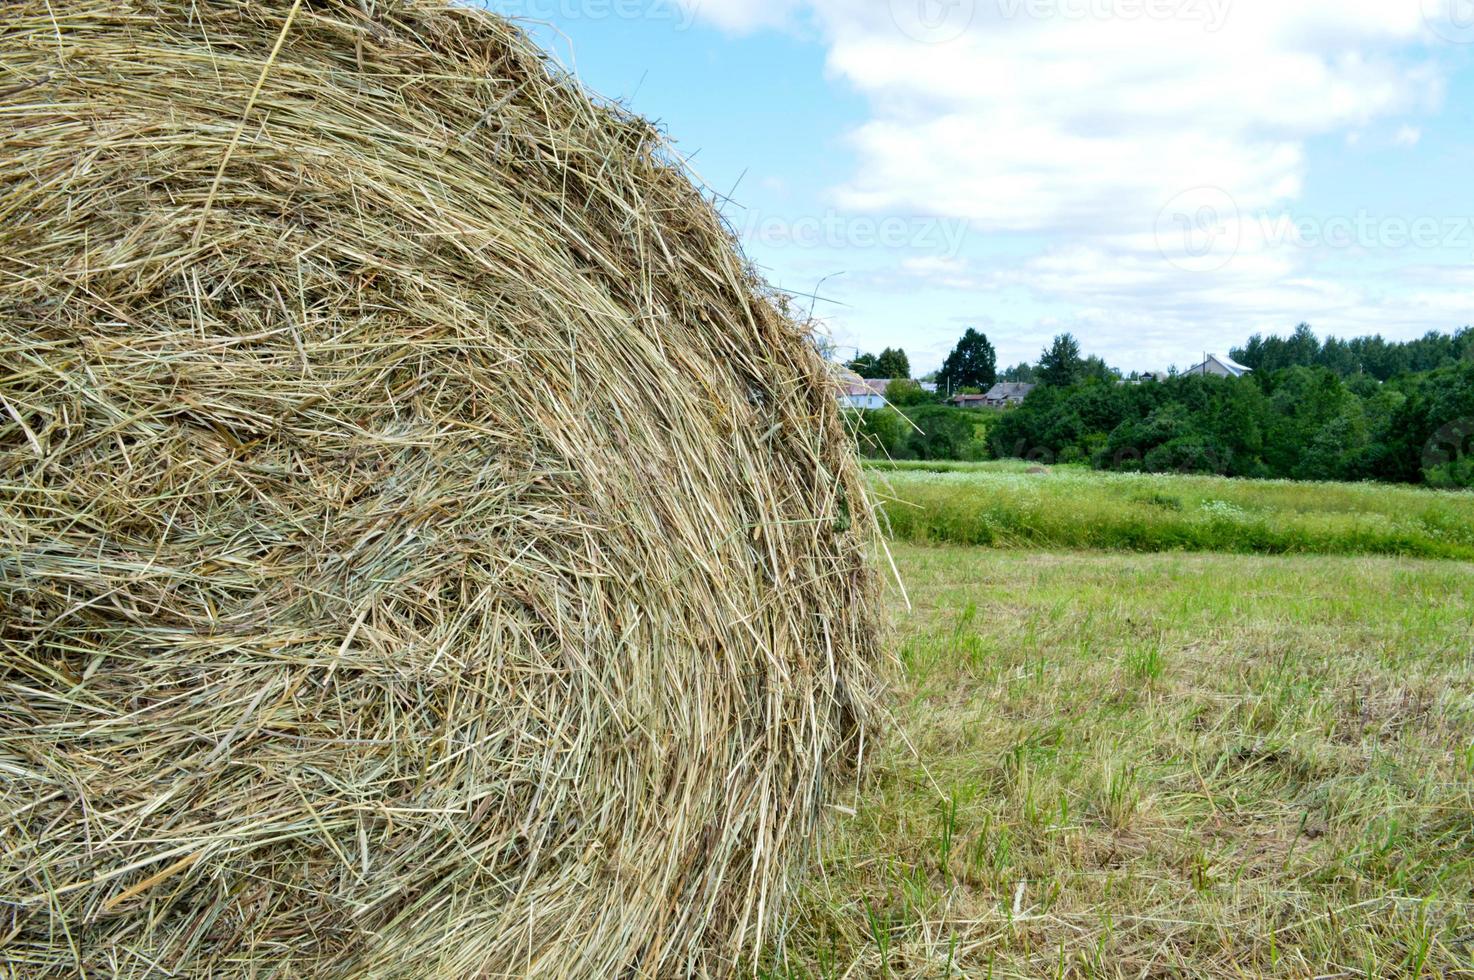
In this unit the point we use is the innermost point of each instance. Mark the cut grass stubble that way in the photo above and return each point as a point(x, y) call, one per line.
point(1190, 765)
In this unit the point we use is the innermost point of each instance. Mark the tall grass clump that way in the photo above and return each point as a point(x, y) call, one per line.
point(425, 548)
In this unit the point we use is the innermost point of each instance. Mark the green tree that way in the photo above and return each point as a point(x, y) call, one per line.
point(1023, 372)
point(903, 391)
point(881, 434)
point(1060, 365)
point(941, 432)
point(1094, 368)
point(1303, 347)
point(866, 366)
point(893, 363)
point(973, 363)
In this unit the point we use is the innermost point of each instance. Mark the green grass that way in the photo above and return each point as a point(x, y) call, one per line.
point(1107, 765)
point(1015, 505)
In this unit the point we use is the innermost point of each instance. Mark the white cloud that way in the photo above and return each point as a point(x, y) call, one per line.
point(1094, 122)
point(949, 272)
point(743, 16)
point(1090, 122)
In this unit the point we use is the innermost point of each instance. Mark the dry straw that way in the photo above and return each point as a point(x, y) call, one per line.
point(425, 550)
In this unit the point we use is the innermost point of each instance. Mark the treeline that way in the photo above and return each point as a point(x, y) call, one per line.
point(1362, 409)
point(1381, 359)
point(1301, 420)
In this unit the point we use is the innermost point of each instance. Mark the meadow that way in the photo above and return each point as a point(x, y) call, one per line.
point(1160, 762)
point(1016, 505)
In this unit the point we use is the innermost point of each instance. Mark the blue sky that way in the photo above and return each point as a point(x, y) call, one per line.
point(1159, 177)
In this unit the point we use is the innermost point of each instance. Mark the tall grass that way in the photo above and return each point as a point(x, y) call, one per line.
point(1013, 505)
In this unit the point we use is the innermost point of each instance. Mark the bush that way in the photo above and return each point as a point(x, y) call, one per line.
point(945, 433)
point(903, 392)
point(880, 434)
point(1187, 454)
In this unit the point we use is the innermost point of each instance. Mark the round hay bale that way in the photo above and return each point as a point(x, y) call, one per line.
point(426, 549)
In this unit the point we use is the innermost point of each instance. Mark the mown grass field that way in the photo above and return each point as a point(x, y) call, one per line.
point(1114, 764)
point(1014, 505)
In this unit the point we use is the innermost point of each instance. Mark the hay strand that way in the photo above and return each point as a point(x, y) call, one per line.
point(426, 549)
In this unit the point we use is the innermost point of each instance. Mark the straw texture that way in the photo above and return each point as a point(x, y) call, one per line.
point(426, 550)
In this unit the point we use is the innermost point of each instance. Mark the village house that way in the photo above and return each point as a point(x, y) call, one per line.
point(860, 394)
point(1005, 394)
point(1008, 393)
point(1219, 367)
point(867, 394)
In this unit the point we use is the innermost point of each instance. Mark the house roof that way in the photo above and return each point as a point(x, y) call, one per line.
point(851, 385)
point(1227, 363)
point(854, 386)
point(1010, 390)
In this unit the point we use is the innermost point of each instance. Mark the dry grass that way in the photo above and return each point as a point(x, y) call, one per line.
point(1163, 766)
point(424, 548)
